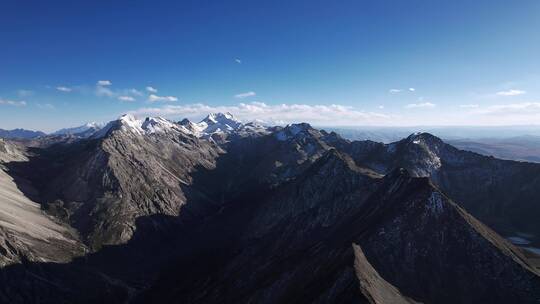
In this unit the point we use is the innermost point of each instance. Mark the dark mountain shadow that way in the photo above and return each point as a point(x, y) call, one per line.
point(43, 164)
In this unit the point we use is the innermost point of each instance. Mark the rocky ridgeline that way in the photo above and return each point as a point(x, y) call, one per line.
point(222, 211)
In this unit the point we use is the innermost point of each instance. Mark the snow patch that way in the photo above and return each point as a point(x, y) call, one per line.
point(435, 203)
point(516, 240)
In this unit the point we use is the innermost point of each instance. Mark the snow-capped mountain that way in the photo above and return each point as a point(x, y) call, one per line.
point(223, 124)
point(86, 129)
point(221, 211)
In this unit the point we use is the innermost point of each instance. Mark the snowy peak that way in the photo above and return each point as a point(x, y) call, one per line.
point(294, 131)
point(215, 123)
point(150, 125)
point(220, 122)
point(89, 127)
point(222, 125)
point(128, 122)
point(220, 118)
point(424, 138)
point(158, 125)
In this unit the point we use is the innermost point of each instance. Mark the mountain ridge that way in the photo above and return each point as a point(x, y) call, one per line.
point(266, 216)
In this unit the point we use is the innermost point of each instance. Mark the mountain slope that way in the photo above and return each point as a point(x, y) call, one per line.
point(434, 252)
point(26, 232)
point(101, 185)
point(500, 193)
point(296, 246)
point(373, 286)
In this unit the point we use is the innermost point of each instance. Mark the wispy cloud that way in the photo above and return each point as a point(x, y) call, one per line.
point(155, 98)
point(420, 105)
point(237, 60)
point(470, 106)
point(104, 83)
point(275, 114)
point(64, 89)
point(14, 103)
point(151, 89)
point(508, 114)
point(120, 94)
point(395, 91)
point(511, 93)
point(245, 95)
point(523, 108)
point(135, 92)
point(104, 91)
point(25, 93)
point(46, 106)
point(126, 98)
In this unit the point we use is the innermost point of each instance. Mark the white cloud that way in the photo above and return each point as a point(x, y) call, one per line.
point(470, 106)
point(275, 114)
point(394, 91)
point(381, 107)
point(135, 92)
point(104, 83)
point(151, 89)
point(104, 91)
point(64, 89)
point(420, 105)
point(412, 89)
point(155, 98)
point(511, 93)
point(121, 94)
point(245, 95)
point(15, 103)
point(237, 60)
point(46, 106)
point(126, 98)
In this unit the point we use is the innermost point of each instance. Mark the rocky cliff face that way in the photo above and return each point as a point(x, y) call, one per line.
point(221, 211)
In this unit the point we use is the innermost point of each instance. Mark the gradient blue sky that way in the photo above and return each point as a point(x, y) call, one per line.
point(325, 62)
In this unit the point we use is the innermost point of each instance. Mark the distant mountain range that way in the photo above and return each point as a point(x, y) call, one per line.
point(522, 148)
point(513, 142)
point(219, 211)
point(20, 133)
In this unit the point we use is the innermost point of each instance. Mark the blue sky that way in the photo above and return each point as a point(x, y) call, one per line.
point(63, 63)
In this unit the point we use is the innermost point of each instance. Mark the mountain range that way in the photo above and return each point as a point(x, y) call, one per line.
point(220, 211)
point(20, 133)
